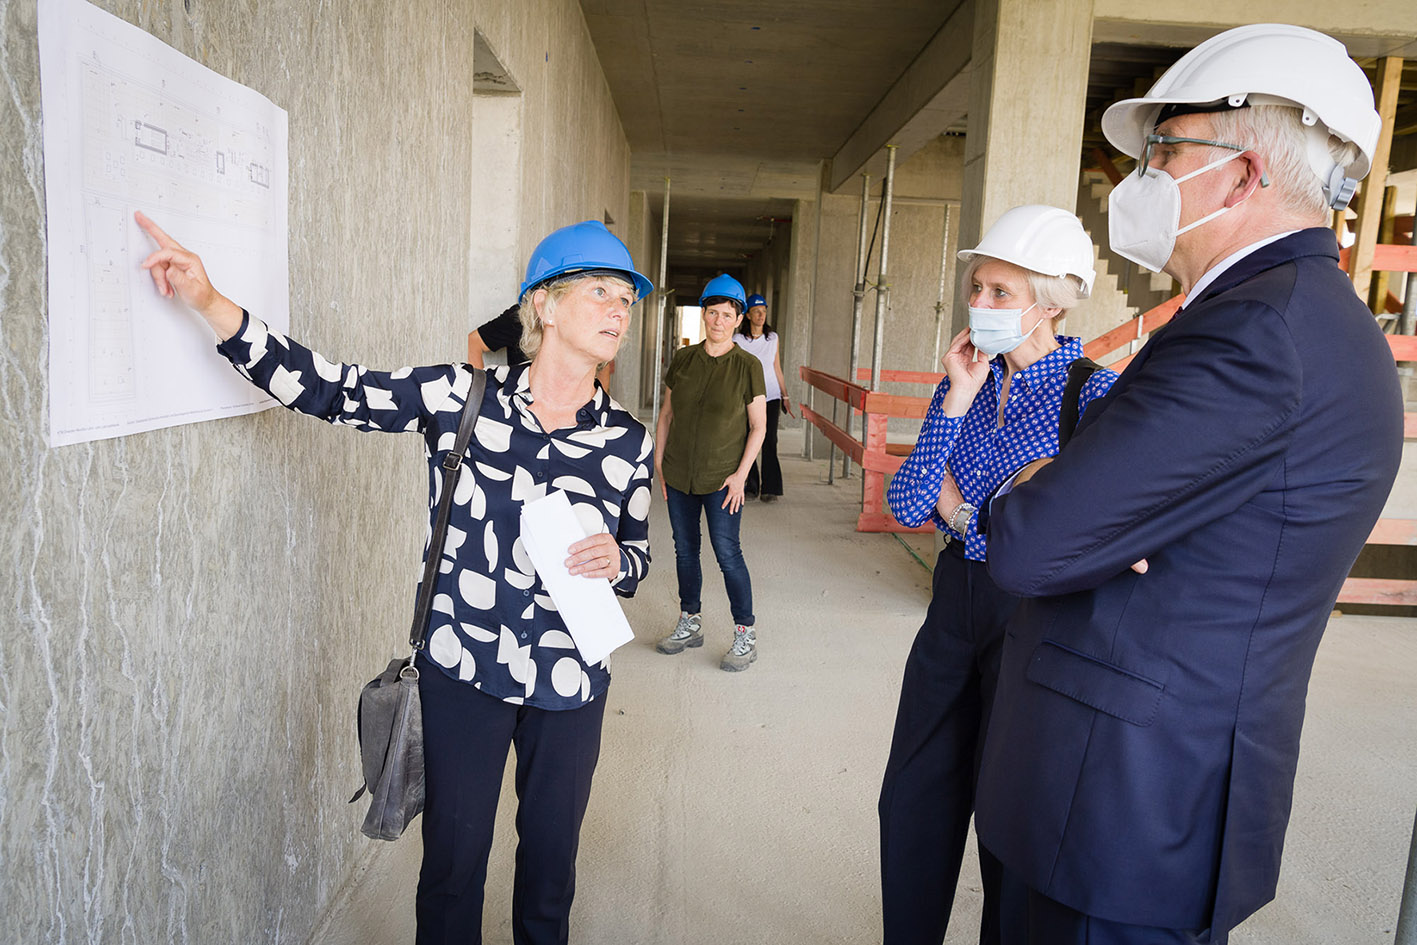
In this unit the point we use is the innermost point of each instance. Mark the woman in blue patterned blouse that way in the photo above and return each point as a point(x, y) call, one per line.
point(500, 667)
point(996, 410)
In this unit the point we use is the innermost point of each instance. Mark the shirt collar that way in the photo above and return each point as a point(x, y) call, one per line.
point(1218, 270)
point(1054, 362)
point(594, 411)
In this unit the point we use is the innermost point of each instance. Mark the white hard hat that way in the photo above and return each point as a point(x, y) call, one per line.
point(1041, 238)
point(1267, 64)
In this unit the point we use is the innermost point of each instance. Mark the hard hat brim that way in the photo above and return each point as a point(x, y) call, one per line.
point(964, 255)
point(643, 287)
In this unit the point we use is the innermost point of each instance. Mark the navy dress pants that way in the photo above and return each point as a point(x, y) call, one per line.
point(1031, 918)
point(466, 734)
point(927, 797)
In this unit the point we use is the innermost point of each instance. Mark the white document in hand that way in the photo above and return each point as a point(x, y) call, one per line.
point(587, 605)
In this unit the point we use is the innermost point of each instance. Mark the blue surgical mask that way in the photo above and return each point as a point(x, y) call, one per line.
point(998, 330)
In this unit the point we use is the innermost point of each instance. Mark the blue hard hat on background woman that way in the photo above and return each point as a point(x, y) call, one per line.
point(724, 286)
point(582, 247)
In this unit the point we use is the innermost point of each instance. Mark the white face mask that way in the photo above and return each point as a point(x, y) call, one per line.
point(1144, 213)
point(998, 330)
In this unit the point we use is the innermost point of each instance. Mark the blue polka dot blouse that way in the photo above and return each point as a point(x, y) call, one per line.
point(979, 452)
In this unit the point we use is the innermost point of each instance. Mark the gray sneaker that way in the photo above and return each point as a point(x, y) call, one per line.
point(743, 652)
point(687, 632)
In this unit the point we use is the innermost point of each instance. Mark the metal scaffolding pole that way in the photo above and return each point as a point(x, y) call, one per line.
point(858, 293)
point(660, 305)
point(940, 299)
point(883, 286)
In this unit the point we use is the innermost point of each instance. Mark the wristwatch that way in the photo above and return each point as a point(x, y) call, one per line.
point(959, 518)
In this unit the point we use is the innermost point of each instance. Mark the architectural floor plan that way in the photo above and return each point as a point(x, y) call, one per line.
point(131, 124)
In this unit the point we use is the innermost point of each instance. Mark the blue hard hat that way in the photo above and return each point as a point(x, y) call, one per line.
point(582, 247)
point(724, 287)
point(756, 299)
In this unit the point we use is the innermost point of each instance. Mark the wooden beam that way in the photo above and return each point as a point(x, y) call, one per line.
point(1377, 291)
point(1387, 257)
point(902, 377)
point(1394, 531)
point(1370, 199)
point(1106, 166)
point(1103, 345)
point(836, 434)
point(852, 394)
point(1404, 347)
point(894, 405)
point(1390, 593)
point(881, 522)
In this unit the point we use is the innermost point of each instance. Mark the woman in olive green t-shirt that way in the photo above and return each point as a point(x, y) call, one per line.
point(709, 432)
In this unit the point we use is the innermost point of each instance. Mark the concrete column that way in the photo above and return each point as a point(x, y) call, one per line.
point(795, 318)
point(1023, 146)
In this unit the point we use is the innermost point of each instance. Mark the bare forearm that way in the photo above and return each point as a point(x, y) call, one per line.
point(223, 316)
point(756, 435)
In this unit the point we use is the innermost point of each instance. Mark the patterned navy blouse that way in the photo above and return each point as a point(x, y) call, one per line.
point(493, 624)
point(979, 452)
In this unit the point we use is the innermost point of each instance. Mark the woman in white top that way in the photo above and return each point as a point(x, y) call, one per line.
point(758, 339)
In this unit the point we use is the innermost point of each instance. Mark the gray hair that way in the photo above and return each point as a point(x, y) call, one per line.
point(533, 328)
point(1278, 133)
point(1060, 292)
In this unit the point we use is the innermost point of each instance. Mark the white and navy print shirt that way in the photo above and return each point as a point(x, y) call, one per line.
point(979, 451)
point(493, 624)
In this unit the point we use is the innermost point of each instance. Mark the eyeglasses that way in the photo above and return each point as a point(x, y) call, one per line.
point(1151, 140)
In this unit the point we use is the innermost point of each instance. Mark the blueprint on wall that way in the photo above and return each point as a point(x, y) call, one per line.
point(132, 124)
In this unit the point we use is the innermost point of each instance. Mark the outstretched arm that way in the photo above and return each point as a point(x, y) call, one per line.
point(301, 379)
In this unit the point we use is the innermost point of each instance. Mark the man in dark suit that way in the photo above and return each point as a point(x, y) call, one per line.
point(1184, 551)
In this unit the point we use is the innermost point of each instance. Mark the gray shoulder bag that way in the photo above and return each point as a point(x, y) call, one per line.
point(390, 713)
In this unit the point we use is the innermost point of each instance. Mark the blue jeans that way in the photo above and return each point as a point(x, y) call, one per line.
point(723, 535)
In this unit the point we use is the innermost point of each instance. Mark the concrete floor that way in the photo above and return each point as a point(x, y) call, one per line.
point(737, 809)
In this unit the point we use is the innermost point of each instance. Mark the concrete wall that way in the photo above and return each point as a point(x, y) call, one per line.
point(190, 612)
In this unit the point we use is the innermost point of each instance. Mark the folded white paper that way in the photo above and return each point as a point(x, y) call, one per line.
point(587, 605)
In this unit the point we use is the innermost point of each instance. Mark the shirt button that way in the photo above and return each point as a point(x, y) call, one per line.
point(526, 593)
point(523, 636)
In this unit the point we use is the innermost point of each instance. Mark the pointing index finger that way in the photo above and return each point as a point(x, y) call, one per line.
point(156, 232)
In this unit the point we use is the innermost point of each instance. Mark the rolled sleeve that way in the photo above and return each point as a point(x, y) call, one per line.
point(915, 487)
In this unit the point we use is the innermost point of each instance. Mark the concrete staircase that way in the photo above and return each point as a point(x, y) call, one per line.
point(1142, 289)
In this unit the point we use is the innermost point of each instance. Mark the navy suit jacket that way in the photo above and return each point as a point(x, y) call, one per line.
point(1140, 757)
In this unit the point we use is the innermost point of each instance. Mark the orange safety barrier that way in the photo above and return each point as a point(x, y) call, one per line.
point(1390, 531)
point(873, 453)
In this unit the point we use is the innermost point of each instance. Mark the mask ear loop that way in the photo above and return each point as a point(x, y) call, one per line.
point(1264, 182)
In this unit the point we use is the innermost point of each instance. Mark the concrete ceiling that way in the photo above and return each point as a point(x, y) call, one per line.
point(739, 101)
point(750, 105)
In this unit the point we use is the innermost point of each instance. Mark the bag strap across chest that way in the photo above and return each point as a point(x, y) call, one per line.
point(452, 467)
point(1069, 411)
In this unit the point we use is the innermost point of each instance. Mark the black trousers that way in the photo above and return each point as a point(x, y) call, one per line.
point(466, 735)
point(769, 481)
point(1031, 918)
point(927, 797)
